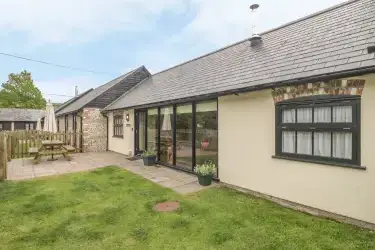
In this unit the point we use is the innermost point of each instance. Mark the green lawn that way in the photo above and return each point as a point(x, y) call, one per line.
point(112, 209)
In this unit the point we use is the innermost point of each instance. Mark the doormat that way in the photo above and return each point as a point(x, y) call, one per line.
point(132, 158)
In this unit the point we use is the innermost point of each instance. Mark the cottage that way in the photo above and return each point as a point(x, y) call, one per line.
point(289, 116)
point(83, 113)
point(19, 119)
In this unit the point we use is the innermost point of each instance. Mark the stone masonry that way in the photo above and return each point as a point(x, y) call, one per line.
point(94, 130)
point(333, 87)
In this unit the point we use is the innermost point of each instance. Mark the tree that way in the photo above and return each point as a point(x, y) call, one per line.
point(20, 92)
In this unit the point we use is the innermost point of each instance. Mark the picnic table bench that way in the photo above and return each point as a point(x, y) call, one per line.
point(51, 147)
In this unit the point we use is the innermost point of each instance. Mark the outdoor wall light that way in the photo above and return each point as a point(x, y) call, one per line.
point(127, 117)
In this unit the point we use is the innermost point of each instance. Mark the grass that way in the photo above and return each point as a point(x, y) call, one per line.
point(112, 209)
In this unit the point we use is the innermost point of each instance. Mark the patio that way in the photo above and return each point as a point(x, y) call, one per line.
point(21, 169)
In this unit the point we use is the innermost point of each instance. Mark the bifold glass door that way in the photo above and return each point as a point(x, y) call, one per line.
point(182, 135)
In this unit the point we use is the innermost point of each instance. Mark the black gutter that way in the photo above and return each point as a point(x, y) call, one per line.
point(324, 77)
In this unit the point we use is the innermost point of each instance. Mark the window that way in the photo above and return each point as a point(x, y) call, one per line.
point(29, 126)
point(321, 129)
point(118, 126)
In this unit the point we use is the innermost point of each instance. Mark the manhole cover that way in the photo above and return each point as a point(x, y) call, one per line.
point(167, 206)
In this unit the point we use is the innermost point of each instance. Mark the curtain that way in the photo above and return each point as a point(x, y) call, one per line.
point(304, 143)
point(288, 141)
point(322, 115)
point(342, 114)
point(342, 145)
point(322, 140)
point(289, 116)
point(304, 115)
point(322, 144)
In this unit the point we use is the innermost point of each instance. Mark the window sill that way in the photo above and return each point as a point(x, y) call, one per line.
point(336, 164)
point(118, 136)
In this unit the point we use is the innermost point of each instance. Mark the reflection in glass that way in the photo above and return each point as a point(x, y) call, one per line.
point(206, 132)
point(166, 135)
point(152, 130)
point(184, 136)
point(142, 131)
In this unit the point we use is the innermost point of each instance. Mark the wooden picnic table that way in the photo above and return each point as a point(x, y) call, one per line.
point(51, 147)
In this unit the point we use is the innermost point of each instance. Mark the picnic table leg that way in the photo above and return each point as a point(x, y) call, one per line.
point(37, 158)
point(67, 156)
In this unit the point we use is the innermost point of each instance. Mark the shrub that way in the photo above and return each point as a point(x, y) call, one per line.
point(148, 153)
point(207, 168)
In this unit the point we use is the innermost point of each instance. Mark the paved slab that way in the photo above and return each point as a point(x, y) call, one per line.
point(21, 169)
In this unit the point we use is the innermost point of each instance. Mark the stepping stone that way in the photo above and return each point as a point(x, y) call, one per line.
point(167, 206)
point(157, 179)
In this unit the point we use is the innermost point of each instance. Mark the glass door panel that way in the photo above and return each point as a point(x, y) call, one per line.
point(140, 132)
point(166, 135)
point(184, 136)
point(152, 130)
point(206, 133)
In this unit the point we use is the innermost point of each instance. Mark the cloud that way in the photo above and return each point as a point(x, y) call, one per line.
point(215, 21)
point(71, 21)
point(55, 89)
point(222, 22)
point(218, 23)
point(198, 27)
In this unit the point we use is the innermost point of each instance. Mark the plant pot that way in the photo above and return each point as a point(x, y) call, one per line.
point(149, 160)
point(205, 180)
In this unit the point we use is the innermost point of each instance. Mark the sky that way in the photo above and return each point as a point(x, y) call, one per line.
point(113, 37)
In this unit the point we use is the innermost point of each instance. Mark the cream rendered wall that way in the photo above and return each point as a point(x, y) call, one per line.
point(247, 142)
point(123, 145)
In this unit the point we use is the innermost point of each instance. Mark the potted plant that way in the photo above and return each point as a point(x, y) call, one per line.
point(205, 172)
point(149, 158)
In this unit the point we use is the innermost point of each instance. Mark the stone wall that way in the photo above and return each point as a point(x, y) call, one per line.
point(351, 86)
point(94, 130)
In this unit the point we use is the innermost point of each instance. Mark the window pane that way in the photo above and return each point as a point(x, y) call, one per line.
point(322, 115)
point(206, 133)
point(342, 114)
point(166, 135)
point(288, 142)
point(289, 116)
point(342, 145)
point(184, 136)
point(142, 131)
point(304, 115)
point(322, 144)
point(304, 143)
point(152, 130)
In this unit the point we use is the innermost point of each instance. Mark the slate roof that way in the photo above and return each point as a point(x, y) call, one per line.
point(71, 100)
point(331, 41)
point(81, 102)
point(25, 115)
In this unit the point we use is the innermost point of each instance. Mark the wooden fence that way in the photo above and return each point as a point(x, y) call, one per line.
point(20, 141)
point(3, 156)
